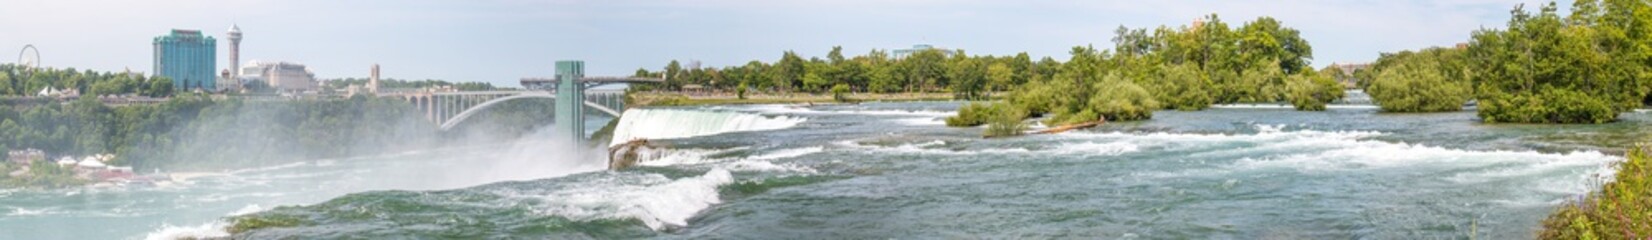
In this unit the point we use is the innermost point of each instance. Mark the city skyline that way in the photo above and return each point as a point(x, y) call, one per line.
point(501, 41)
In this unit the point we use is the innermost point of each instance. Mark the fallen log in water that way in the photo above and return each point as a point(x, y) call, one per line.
point(1070, 127)
point(1055, 130)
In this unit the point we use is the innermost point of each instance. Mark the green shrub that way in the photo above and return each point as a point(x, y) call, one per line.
point(970, 115)
point(1310, 92)
point(1002, 118)
point(1548, 106)
point(1621, 209)
point(1006, 121)
point(1038, 97)
point(1418, 88)
point(740, 92)
point(1118, 100)
point(840, 92)
point(1184, 88)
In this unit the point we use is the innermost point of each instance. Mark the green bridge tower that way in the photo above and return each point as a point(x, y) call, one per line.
point(570, 108)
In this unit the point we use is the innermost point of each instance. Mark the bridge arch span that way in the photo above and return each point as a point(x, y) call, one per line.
point(459, 118)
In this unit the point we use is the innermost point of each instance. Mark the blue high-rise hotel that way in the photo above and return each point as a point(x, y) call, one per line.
point(189, 58)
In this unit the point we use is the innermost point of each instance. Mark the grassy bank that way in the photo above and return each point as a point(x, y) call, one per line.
point(681, 99)
point(1621, 209)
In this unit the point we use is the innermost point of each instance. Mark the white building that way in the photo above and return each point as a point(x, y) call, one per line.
point(283, 76)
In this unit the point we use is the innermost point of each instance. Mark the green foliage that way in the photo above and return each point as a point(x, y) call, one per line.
point(840, 92)
point(970, 115)
point(1006, 121)
point(197, 132)
point(1184, 88)
point(1621, 209)
point(1120, 100)
point(740, 91)
point(1584, 68)
point(1420, 84)
point(1550, 105)
point(1002, 119)
point(14, 83)
point(1310, 91)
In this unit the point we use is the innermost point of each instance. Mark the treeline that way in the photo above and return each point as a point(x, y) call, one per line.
point(1429, 80)
point(197, 132)
point(1586, 67)
point(399, 83)
point(191, 131)
point(1185, 68)
point(932, 70)
point(16, 81)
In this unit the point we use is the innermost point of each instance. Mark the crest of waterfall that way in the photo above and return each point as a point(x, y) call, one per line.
point(656, 124)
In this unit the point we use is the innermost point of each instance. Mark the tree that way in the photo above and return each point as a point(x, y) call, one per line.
point(1000, 76)
point(740, 91)
point(967, 79)
point(674, 75)
point(1184, 88)
point(789, 71)
point(1431, 80)
point(1120, 100)
point(1310, 91)
point(840, 92)
point(1544, 69)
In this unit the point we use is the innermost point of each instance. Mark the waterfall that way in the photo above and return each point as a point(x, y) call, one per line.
point(655, 124)
point(1356, 97)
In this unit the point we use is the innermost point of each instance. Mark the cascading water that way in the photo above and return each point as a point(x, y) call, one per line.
point(677, 123)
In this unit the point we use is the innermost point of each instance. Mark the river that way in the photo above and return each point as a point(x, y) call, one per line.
point(893, 170)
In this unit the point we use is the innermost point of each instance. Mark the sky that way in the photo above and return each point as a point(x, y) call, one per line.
point(501, 41)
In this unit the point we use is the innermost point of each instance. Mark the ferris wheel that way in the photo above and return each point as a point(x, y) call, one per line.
point(28, 59)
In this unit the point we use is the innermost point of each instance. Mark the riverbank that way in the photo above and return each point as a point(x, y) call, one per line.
point(1620, 209)
point(698, 99)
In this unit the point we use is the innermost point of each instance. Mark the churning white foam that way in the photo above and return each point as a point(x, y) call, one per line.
point(789, 153)
point(1316, 152)
point(1094, 148)
point(760, 162)
point(936, 147)
point(655, 200)
point(208, 230)
point(679, 123)
point(18, 211)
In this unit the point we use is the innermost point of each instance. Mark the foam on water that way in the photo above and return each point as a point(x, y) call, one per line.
point(18, 211)
point(789, 153)
point(1094, 148)
point(1318, 152)
point(678, 123)
point(208, 230)
point(655, 200)
point(760, 162)
point(931, 148)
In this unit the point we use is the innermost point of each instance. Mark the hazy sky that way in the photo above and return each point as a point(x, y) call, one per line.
point(500, 41)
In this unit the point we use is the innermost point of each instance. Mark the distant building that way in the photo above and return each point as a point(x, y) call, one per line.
point(234, 50)
point(187, 57)
point(282, 76)
point(373, 82)
point(25, 156)
point(903, 53)
point(227, 82)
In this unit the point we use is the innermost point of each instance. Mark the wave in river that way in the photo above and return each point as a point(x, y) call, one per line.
point(1272, 150)
point(678, 123)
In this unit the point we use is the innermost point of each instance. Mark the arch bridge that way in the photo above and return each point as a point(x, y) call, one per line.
point(571, 90)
